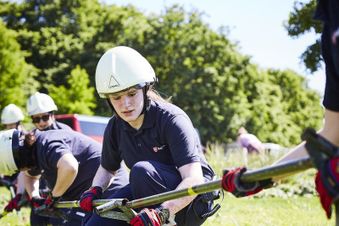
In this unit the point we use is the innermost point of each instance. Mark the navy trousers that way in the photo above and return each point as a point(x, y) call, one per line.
point(148, 178)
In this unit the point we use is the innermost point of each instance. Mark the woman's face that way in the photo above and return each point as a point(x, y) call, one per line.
point(43, 120)
point(128, 105)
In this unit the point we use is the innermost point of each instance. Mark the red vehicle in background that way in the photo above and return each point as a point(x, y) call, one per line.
point(92, 126)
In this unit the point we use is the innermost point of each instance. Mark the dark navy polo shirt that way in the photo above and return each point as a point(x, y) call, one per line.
point(167, 135)
point(328, 12)
point(56, 125)
point(60, 125)
point(51, 145)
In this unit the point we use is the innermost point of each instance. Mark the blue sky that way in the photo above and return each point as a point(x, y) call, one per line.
point(256, 25)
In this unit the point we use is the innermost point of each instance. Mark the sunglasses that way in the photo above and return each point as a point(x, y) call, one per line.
point(44, 118)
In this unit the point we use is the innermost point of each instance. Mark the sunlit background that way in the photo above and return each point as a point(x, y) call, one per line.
point(257, 27)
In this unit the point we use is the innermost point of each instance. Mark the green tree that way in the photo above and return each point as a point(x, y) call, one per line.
point(55, 32)
point(77, 96)
point(301, 22)
point(292, 107)
point(62, 34)
point(183, 51)
point(201, 69)
point(16, 76)
point(220, 89)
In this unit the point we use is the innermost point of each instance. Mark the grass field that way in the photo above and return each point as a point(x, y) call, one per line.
point(266, 211)
point(20, 218)
point(291, 203)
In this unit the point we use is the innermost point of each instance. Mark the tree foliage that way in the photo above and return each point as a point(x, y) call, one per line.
point(55, 32)
point(199, 68)
point(219, 88)
point(77, 96)
point(16, 75)
point(300, 22)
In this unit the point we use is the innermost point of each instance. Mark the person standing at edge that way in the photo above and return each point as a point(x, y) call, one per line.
point(156, 140)
point(326, 179)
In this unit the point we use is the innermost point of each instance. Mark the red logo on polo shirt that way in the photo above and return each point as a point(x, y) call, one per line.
point(156, 149)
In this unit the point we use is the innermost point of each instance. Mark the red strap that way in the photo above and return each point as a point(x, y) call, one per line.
point(325, 198)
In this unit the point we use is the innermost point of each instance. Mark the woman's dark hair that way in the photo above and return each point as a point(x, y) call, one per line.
point(24, 154)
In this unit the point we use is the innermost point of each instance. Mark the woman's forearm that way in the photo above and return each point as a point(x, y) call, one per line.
point(31, 185)
point(192, 175)
point(20, 189)
point(103, 178)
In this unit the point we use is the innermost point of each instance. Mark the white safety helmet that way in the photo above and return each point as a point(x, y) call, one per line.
point(9, 140)
point(40, 103)
point(120, 68)
point(11, 114)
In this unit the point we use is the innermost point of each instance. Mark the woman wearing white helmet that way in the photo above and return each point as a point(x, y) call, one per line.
point(67, 160)
point(41, 107)
point(156, 139)
point(11, 117)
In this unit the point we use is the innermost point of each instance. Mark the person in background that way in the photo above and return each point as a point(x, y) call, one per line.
point(249, 141)
point(40, 108)
point(155, 138)
point(11, 117)
point(327, 178)
point(66, 159)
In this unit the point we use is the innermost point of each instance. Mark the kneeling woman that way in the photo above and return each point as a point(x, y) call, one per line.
point(156, 139)
point(67, 160)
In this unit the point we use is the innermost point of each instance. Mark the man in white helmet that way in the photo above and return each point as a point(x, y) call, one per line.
point(67, 160)
point(41, 107)
point(11, 117)
point(156, 140)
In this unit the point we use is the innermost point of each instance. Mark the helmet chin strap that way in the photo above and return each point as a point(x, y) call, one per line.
point(147, 101)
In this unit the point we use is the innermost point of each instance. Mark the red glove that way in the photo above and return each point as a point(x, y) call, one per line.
point(45, 207)
point(150, 217)
point(86, 199)
point(14, 203)
point(231, 183)
point(44, 204)
point(327, 185)
point(37, 202)
point(50, 201)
